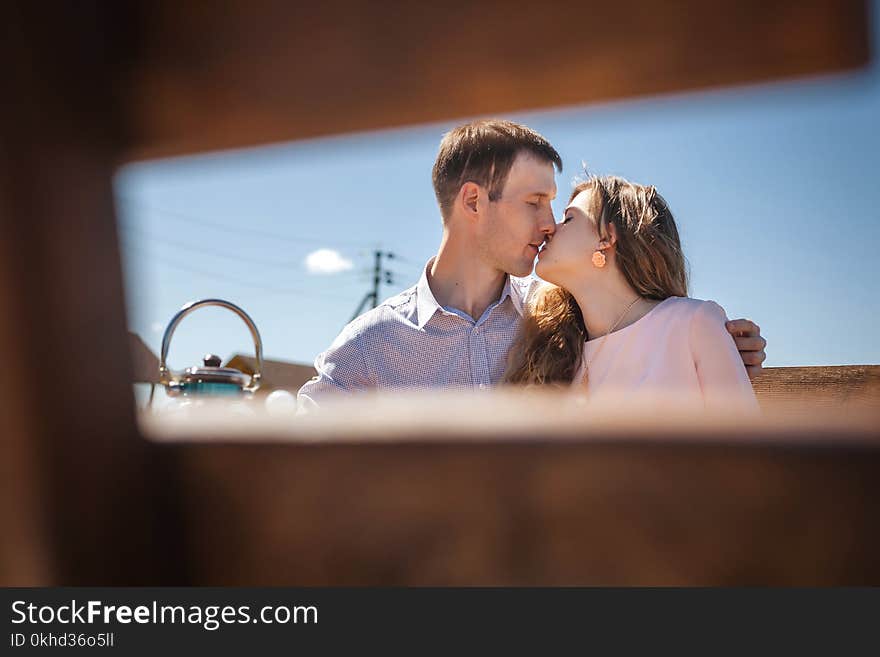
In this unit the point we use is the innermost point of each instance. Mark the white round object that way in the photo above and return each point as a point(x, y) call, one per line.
point(280, 402)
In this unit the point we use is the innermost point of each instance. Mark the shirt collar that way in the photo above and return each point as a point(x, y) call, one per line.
point(516, 289)
point(427, 305)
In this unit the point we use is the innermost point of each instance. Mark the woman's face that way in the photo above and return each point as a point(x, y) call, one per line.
point(566, 255)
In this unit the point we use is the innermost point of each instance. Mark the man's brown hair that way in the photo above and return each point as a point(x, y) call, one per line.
point(483, 152)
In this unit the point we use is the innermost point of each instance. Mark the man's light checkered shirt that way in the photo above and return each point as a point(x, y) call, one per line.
point(410, 341)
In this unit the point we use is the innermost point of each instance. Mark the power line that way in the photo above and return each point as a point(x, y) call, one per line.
point(413, 268)
point(407, 261)
point(379, 275)
point(343, 285)
point(226, 255)
point(221, 276)
point(409, 274)
point(236, 231)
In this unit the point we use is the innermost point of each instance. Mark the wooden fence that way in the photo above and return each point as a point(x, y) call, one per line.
point(86, 500)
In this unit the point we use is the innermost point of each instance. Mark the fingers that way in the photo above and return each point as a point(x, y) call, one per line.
point(754, 370)
point(749, 343)
point(753, 358)
point(743, 327)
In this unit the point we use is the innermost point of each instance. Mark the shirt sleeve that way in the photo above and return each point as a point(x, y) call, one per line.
point(341, 370)
point(723, 379)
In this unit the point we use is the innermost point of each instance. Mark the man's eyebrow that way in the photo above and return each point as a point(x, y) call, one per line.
point(543, 194)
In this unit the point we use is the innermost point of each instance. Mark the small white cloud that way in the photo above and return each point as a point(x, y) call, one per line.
point(327, 261)
point(156, 327)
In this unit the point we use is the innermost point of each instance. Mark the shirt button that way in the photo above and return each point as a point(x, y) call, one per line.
point(482, 386)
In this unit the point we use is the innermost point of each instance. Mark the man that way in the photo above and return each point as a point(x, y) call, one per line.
point(494, 181)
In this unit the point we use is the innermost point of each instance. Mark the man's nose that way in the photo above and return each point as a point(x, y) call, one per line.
point(547, 224)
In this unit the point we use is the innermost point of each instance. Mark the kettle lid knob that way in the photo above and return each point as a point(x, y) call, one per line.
point(211, 360)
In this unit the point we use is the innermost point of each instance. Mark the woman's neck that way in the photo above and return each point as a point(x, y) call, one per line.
point(612, 305)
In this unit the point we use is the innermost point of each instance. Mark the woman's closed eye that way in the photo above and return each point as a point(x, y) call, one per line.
point(567, 218)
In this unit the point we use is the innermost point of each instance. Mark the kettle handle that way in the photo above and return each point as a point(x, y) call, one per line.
point(165, 377)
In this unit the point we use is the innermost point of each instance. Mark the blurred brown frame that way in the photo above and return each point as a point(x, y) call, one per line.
point(89, 85)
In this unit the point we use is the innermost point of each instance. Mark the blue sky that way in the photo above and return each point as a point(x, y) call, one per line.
point(774, 188)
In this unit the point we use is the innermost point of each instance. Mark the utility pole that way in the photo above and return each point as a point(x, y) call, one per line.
point(378, 275)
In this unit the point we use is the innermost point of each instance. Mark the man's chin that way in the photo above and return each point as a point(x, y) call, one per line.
point(522, 269)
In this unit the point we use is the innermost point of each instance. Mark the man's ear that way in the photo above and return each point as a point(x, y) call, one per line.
point(469, 197)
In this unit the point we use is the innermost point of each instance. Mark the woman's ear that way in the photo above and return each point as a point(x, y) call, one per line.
point(611, 234)
point(608, 240)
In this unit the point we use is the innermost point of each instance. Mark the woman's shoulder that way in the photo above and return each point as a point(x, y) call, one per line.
point(692, 306)
point(705, 321)
point(690, 310)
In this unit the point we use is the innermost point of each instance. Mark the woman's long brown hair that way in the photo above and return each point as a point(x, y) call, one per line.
point(550, 344)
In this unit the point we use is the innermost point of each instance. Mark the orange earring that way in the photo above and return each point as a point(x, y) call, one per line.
point(598, 259)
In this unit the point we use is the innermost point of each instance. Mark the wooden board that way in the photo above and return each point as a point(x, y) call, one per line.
point(213, 76)
point(74, 469)
point(818, 389)
point(87, 501)
point(528, 514)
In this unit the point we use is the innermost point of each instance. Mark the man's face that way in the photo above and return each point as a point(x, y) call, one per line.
point(517, 223)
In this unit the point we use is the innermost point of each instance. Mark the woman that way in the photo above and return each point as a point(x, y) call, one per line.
point(616, 317)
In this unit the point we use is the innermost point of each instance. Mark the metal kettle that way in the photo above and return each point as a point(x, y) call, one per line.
point(210, 379)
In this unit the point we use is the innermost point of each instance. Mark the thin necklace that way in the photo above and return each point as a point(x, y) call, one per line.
point(604, 338)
